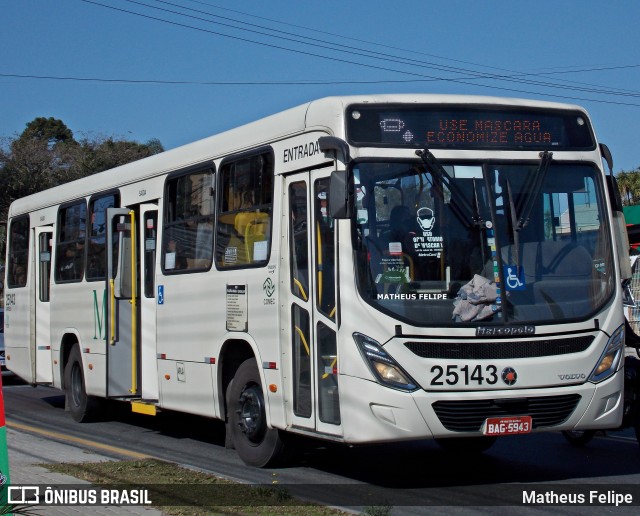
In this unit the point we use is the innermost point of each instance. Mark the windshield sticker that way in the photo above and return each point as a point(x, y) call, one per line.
point(426, 219)
point(429, 244)
point(395, 270)
point(395, 248)
point(513, 277)
point(491, 242)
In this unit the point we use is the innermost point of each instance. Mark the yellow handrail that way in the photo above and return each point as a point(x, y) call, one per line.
point(134, 293)
point(304, 341)
point(319, 261)
point(300, 287)
point(112, 304)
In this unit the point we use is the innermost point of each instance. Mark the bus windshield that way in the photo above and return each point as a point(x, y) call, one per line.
point(482, 243)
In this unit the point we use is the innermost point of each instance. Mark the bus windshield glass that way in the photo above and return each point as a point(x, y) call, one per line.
point(479, 244)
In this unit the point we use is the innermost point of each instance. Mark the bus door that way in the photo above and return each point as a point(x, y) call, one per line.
point(42, 257)
point(148, 238)
point(123, 346)
point(309, 315)
point(131, 302)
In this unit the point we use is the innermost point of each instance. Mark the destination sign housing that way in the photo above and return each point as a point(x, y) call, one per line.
point(490, 127)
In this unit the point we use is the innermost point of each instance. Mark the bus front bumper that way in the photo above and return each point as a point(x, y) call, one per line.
point(386, 415)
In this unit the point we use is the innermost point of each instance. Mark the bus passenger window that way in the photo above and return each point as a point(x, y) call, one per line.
point(325, 266)
point(299, 239)
point(70, 244)
point(18, 253)
point(150, 235)
point(96, 250)
point(245, 210)
point(188, 223)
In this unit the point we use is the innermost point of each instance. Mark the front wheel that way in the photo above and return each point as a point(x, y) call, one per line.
point(579, 437)
point(256, 443)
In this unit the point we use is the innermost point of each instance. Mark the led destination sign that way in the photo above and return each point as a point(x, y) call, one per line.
point(468, 128)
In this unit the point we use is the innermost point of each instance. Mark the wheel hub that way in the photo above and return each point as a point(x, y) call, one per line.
point(251, 414)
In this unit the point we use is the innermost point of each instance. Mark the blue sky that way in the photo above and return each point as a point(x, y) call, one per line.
point(578, 51)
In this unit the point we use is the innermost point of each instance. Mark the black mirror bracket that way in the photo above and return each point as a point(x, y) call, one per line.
point(341, 185)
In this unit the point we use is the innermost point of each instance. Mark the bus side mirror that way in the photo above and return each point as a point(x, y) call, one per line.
point(340, 195)
point(619, 226)
point(340, 185)
point(614, 193)
point(622, 242)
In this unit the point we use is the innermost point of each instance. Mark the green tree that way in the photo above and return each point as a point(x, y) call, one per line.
point(50, 129)
point(46, 154)
point(629, 186)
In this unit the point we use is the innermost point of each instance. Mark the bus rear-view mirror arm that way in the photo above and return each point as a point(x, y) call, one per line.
point(341, 186)
point(618, 221)
point(340, 195)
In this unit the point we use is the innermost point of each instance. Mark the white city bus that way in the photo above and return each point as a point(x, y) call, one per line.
point(361, 269)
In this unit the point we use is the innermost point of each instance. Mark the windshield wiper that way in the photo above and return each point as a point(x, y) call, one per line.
point(518, 224)
point(515, 231)
point(538, 180)
point(459, 203)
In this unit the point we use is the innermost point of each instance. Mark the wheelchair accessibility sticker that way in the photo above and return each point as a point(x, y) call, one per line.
point(513, 277)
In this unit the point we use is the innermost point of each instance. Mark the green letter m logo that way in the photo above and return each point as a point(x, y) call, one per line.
point(99, 315)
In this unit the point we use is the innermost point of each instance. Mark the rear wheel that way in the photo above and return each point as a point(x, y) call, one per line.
point(256, 443)
point(467, 444)
point(83, 407)
point(579, 437)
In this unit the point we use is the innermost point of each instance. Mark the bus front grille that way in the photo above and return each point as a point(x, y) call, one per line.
point(469, 415)
point(500, 350)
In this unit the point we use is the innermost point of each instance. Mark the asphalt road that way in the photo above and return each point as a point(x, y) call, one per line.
point(401, 475)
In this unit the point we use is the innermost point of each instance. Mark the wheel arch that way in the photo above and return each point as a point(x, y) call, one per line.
point(69, 339)
point(232, 353)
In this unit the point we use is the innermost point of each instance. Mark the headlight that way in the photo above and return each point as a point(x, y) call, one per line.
point(610, 359)
point(382, 365)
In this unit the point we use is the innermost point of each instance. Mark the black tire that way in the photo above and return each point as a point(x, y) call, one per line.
point(467, 444)
point(228, 438)
point(256, 443)
point(82, 407)
point(579, 437)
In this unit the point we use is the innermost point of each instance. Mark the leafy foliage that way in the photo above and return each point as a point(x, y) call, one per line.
point(47, 154)
point(49, 129)
point(629, 186)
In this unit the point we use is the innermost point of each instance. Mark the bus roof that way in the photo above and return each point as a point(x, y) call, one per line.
point(324, 114)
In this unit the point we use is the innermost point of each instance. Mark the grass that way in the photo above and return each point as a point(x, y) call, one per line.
point(183, 492)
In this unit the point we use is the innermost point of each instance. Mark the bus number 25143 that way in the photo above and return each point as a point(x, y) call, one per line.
point(467, 375)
